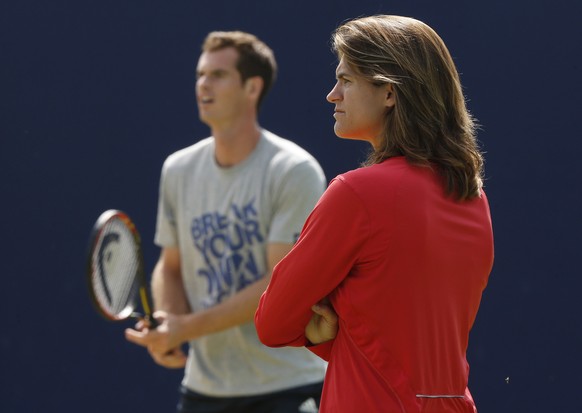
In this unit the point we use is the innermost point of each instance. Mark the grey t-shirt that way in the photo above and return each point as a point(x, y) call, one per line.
point(222, 219)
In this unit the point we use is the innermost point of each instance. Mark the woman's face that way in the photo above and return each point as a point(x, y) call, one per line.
point(360, 106)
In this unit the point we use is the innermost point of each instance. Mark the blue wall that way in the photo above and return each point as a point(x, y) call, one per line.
point(95, 94)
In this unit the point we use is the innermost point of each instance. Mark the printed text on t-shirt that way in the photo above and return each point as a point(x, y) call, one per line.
point(225, 242)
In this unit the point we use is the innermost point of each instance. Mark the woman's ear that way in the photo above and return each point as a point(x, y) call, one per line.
point(390, 96)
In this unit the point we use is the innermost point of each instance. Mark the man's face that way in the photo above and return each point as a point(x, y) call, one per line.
point(220, 92)
point(360, 106)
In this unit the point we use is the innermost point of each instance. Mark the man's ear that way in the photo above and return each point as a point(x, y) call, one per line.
point(390, 96)
point(254, 86)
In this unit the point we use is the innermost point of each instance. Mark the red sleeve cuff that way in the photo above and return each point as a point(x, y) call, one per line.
point(322, 350)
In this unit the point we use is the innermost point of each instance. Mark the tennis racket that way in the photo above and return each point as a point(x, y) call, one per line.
point(115, 269)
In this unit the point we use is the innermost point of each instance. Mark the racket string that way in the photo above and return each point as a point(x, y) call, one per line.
point(117, 262)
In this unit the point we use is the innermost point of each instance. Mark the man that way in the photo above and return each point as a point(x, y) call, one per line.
point(386, 278)
point(230, 207)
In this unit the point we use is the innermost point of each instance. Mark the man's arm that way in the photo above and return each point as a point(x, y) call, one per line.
point(236, 310)
point(167, 285)
point(169, 295)
point(178, 327)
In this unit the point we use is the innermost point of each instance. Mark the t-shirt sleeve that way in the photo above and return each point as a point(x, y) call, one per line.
point(296, 194)
point(327, 250)
point(166, 235)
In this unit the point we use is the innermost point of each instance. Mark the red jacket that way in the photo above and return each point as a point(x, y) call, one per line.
point(404, 266)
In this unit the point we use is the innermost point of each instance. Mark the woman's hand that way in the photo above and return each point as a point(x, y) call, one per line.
point(323, 325)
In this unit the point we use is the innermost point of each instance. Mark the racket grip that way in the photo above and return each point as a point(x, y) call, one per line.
point(148, 318)
point(152, 321)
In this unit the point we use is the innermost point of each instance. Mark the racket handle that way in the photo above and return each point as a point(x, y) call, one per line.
point(152, 322)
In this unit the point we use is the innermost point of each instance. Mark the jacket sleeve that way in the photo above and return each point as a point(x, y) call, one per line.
point(322, 350)
point(324, 255)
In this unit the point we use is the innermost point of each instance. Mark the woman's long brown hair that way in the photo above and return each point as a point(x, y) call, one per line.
point(429, 124)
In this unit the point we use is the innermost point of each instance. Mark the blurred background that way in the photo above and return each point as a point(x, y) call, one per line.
point(95, 94)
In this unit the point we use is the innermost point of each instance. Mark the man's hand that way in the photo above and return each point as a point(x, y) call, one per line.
point(173, 359)
point(163, 343)
point(323, 325)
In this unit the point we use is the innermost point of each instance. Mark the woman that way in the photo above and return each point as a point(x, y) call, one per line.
point(400, 249)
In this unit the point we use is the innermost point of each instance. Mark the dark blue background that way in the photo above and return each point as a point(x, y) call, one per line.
point(95, 94)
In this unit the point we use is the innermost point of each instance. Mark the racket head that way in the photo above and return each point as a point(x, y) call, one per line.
point(115, 269)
